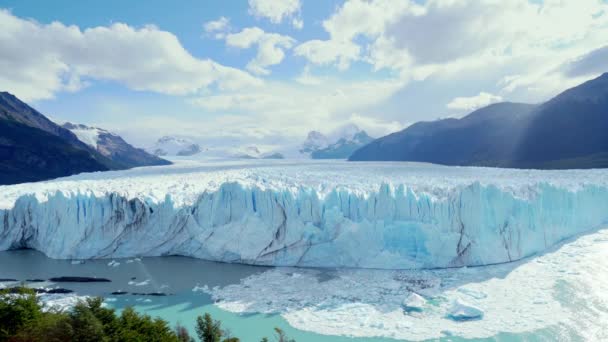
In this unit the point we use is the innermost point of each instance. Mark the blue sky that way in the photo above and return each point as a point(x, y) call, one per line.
point(266, 72)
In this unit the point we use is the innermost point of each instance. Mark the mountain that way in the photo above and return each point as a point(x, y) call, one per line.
point(241, 152)
point(568, 131)
point(33, 148)
point(274, 155)
point(245, 152)
point(172, 146)
point(345, 141)
point(314, 141)
point(114, 147)
point(344, 147)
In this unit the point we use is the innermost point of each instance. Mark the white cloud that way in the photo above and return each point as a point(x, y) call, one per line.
point(217, 28)
point(292, 109)
point(271, 47)
point(355, 18)
point(473, 102)
point(323, 52)
point(456, 37)
point(307, 78)
point(297, 23)
point(39, 60)
point(375, 126)
point(277, 10)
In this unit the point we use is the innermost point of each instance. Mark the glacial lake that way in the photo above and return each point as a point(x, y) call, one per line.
point(560, 295)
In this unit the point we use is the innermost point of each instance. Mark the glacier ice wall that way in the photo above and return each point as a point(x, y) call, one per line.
point(392, 227)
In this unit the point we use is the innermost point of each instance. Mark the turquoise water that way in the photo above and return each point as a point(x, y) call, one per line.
point(559, 296)
point(184, 308)
point(174, 275)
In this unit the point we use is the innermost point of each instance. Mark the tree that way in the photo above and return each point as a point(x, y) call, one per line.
point(182, 334)
point(50, 327)
point(208, 329)
point(86, 327)
point(106, 316)
point(135, 327)
point(22, 320)
point(17, 310)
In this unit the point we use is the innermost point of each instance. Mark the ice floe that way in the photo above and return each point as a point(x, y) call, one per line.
point(463, 311)
point(565, 289)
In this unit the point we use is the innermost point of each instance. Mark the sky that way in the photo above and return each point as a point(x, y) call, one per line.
point(266, 72)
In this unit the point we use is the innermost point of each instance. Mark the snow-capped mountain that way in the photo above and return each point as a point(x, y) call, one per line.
point(247, 152)
point(113, 146)
point(339, 145)
point(86, 134)
point(172, 146)
point(314, 141)
point(34, 148)
point(241, 152)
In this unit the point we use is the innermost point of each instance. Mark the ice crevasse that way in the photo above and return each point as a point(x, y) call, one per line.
point(379, 216)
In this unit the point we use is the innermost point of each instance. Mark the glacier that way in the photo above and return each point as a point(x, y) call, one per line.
point(306, 213)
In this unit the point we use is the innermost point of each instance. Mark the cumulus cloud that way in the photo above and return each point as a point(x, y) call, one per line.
point(473, 102)
point(270, 46)
point(277, 10)
point(418, 39)
point(353, 19)
point(374, 125)
point(39, 60)
point(324, 52)
point(217, 28)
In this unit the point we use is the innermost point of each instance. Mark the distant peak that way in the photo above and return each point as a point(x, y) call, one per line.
point(315, 134)
point(6, 93)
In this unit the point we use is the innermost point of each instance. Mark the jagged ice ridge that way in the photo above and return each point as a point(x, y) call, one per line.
point(326, 214)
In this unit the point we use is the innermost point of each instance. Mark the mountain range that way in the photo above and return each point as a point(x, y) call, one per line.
point(34, 148)
point(172, 146)
point(568, 131)
point(345, 141)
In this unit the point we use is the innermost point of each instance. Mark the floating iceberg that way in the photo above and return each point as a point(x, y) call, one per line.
point(326, 214)
point(463, 311)
point(414, 302)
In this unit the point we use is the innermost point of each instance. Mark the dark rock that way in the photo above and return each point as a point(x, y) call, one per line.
point(58, 291)
point(7, 279)
point(35, 280)
point(154, 294)
point(39, 290)
point(119, 293)
point(79, 280)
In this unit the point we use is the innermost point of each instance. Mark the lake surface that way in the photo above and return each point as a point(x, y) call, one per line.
point(174, 275)
point(561, 295)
